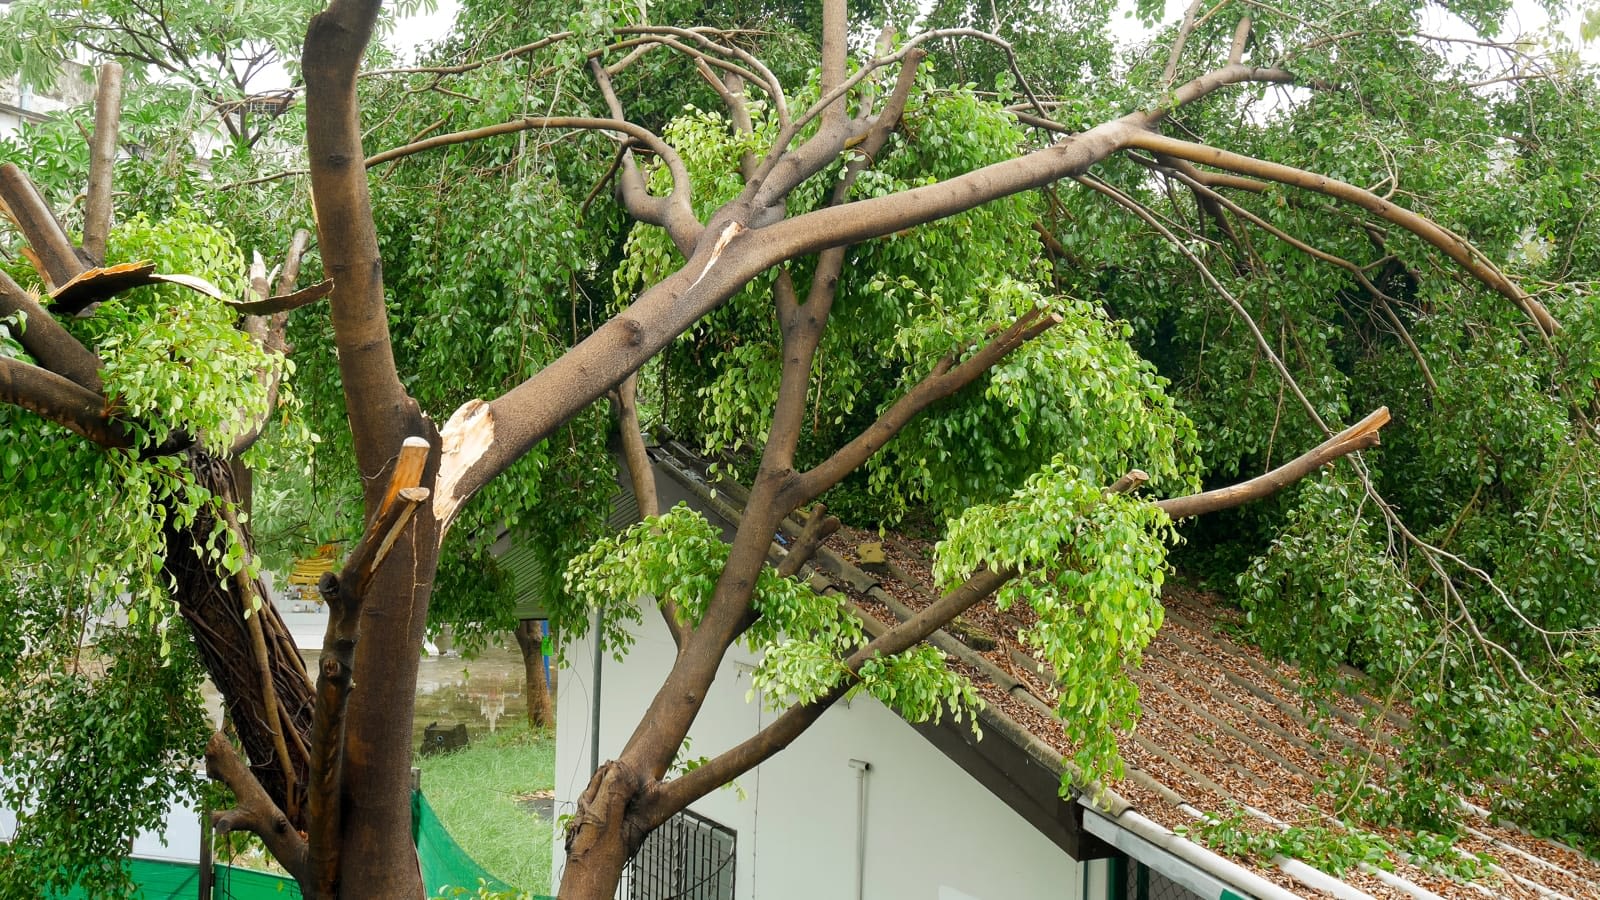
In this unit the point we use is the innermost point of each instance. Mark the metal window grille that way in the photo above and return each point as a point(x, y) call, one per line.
point(688, 858)
point(1145, 883)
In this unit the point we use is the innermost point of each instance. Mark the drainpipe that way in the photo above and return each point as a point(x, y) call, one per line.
point(862, 767)
point(594, 699)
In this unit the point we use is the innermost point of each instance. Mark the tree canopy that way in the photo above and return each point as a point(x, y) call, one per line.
point(991, 274)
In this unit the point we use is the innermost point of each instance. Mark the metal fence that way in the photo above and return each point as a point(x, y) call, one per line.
point(688, 858)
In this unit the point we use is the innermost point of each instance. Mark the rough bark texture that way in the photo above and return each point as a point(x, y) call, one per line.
point(214, 610)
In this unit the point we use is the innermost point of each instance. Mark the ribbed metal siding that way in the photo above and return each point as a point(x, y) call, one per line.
point(528, 571)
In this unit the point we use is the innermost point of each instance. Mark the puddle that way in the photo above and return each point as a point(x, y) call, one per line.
point(481, 693)
point(484, 693)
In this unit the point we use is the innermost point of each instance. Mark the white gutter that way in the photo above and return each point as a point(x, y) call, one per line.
point(1179, 858)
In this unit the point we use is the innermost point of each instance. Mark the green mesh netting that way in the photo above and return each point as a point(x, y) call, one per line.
point(444, 865)
point(162, 880)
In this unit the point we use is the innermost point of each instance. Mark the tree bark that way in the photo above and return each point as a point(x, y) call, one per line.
point(213, 607)
point(541, 713)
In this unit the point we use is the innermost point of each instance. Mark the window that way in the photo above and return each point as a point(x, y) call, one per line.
point(688, 858)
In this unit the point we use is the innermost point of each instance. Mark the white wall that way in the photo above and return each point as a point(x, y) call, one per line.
point(933, 833)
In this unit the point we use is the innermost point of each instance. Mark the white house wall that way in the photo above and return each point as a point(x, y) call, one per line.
point(933, 833)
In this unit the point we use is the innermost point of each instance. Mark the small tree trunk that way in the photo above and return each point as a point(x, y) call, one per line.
point(605, 833)
point(541, 713)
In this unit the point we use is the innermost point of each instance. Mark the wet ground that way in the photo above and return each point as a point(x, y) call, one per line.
point(483, 693)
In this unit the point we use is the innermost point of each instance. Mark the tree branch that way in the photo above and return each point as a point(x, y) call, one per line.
point(680, 792)
point(381, 412)
point(57, 259)
point(102, 161)
point(819, 526)
point(1360, 436)
point(62, 401)
point(256, 813)
point(268, 330)
point(1452, 245)
point(43, 337)
point(523, 50)
point(283, 303)
point(674, 212)
point(642, 474)
point(729, 256)
point(946, 378)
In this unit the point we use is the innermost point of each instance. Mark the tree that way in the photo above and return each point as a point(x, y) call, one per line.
point(783, 198)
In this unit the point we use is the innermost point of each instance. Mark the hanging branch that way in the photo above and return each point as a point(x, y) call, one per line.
point(1452, 245)
point(1360, 436)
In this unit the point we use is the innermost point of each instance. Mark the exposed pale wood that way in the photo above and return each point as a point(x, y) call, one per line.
point(408, 500)
point(407, 472)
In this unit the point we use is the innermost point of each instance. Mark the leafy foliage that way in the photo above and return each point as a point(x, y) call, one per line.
point(96, 741)
point(1091, 567)
point(911, 299)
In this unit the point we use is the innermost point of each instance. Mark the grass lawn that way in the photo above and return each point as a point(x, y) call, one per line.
point(475, 793)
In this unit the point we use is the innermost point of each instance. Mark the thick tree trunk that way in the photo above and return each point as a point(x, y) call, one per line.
point(377, 858)
point(213, 607)
point(531, 641)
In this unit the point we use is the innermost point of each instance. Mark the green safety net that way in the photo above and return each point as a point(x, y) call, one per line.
point(445, 868)
point(155, 879)
point(444, 864)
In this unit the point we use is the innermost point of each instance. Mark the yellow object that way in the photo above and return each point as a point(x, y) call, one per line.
point(310, 570)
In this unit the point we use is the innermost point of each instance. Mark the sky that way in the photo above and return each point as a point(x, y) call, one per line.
point(1527, 18)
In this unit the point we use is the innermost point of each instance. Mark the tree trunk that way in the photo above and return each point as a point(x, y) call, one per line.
point(605, 832)
point(376, 854)
point(531, 641)
point(213, 606)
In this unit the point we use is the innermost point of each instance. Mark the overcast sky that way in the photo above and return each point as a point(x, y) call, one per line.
point(1526, 19)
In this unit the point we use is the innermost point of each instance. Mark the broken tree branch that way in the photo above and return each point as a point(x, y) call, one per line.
point(283, 303)
point(57, 259)
point(102, 161)
point(819, 526)
point(1360, 436)
point(43, 337)
point(62, 401)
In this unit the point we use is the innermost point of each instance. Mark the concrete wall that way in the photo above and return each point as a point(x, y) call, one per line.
point(21, 106)
point(932, 832)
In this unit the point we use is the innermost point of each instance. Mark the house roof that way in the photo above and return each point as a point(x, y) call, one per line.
point(1224, 734)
